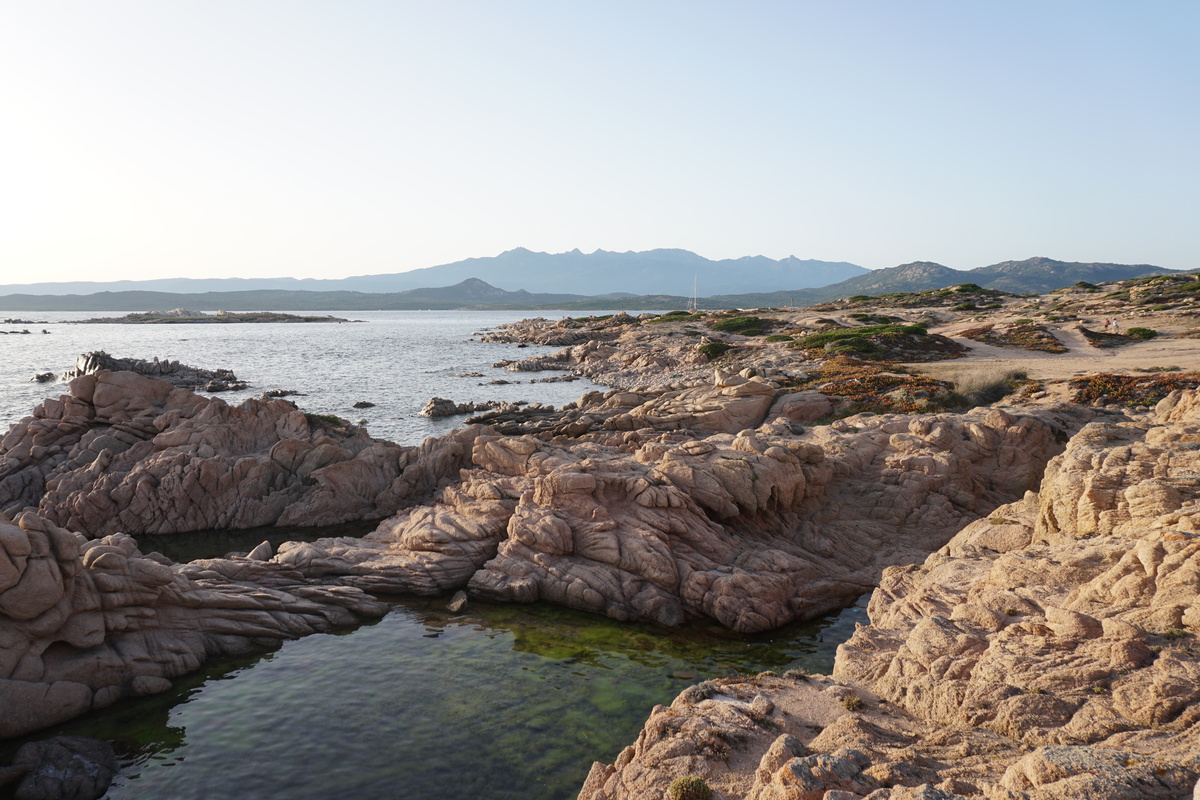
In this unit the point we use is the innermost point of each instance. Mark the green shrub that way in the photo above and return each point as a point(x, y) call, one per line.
point(1142, 333)
point(1023, 321)
point(963, 307)
point(852, 702)
point(689, 787)
point(326, 419)
point(1086, 285)
point(747, 326)
point(858, 298)
point(714, 349)
point(968, 287)
point(676, 316)
point(778, 337)
point(825, 337)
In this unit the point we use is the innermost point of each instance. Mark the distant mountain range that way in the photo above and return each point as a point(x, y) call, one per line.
point(598, 273)
point(1034, 275)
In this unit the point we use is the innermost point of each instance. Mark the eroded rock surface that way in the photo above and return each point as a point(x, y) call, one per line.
point(754, 529)
point(124, 453)
point(1047, 652)
point(86, 623)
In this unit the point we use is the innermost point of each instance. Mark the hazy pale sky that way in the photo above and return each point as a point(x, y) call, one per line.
point(214, 138)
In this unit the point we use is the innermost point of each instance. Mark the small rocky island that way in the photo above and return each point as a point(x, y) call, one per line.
point(1020, 499)
point(178, 316)
point(173, 372)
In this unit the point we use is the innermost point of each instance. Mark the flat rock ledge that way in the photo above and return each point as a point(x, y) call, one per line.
point(1047, 652)
point(85, 623)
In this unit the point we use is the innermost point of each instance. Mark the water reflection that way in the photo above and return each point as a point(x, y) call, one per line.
point(425, 703)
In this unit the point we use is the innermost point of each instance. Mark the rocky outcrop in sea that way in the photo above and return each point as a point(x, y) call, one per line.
point(173, 372)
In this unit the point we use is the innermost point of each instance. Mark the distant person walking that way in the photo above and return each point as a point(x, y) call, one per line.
point(1106, 324)
point(1116, 326)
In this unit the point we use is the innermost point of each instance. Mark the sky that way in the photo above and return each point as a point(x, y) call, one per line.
point(261, 138)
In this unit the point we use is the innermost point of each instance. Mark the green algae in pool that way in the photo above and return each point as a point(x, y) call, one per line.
point(497, 703)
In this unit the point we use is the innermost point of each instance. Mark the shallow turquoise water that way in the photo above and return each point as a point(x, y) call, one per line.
point(498, 702)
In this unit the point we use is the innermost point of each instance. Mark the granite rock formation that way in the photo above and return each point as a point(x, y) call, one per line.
point(1047, 652)
point(124, 453)
point(754, 529)
point(172, 372)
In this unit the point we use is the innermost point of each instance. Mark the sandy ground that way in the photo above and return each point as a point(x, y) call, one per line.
point(1081, 358)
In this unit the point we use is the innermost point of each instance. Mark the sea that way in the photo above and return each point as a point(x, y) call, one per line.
point(498, 701)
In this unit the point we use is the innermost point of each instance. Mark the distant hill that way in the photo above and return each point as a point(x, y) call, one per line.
point(912, 277)
point(1046, 274)
point(1033, 275)
point(602, 272)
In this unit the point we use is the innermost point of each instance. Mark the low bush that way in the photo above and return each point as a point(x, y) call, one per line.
point(1130, 390)
point(1142, 333)
point(825, 337)
point(689, 787)
point(713, 349)
point(326, 419)
point(747, 326)
point(984, 388)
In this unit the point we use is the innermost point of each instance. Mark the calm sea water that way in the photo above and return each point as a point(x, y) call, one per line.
point(498, 702)
point(395, 359)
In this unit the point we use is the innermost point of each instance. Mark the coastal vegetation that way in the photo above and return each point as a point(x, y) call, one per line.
point(1022, 334)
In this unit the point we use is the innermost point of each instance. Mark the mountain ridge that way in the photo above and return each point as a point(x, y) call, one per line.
point(663, 270)
point(474, 293)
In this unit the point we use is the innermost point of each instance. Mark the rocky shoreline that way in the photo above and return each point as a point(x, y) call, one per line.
point(1047, 651)
point(1043, 650)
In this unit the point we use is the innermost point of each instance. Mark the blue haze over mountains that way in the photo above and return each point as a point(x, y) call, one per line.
point(663, 271)
point(574, 280)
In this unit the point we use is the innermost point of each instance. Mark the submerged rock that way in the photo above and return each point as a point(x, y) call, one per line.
point(65, 768)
